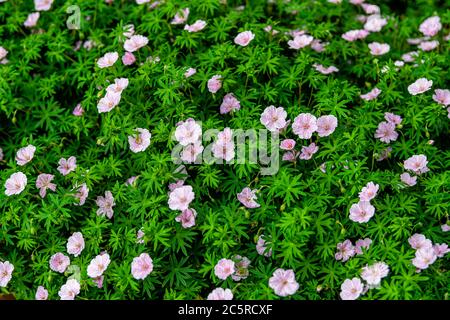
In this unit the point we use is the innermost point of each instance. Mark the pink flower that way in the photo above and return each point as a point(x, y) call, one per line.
point(191, 152)
point(372, 94)
point(99, 281)
point(424, 258)
point(215, 83)
point(181, 17)
point(375, 23)
point(89, 44)
point(98, 265)
point(75, 244)
point(244, 38)
point(141, 266)
point(308, 151)
point(180, 198)
point(325, 70)
point(128, 30)
point(128, 59)
point(15, 184)
point(6, 270)
point(32, 20)
point(224, 268)
point(283, 282)
point(431, 26)
point(304, 125)
point(369, 192)
point(362, 211)
point(118, 86)
point(290, 156)
point(407, 179)
point(105, 205)
point(248, 198)
point(287, 144)
point(187, 218)
point(261, 247)
point(429, 45)
point(69, 290)
point(441, 250)
point(223, 147)
point(370, 8)
point(300, 42)
point(241, 266)
point(354, 35)
point(174, 185)
point(190, 72)
point(3, 53)
point(378, 49)
point(41, 293)
point(386, 132)
point(43, 5)
point(188, 132)
point(25, 155)
point(419, 241)
point(374, 273)
point(362, 244)
point(229, 103)
point(140, 236)
point(135, 43)
point(78, 110)
point(270, 30)
point(420, 86)
point(220, 294)
point(1, 154)
point(410, 56)
point(141, 141)
point(318, 46)
point(417, 164)
point(273, 118)
point(442, 96)
point(351, 289)
point(445, 227)
point(82, 194)
point(108, 102)
point(346, 250)
point(392, 118)
point(108, 60)
point(59, 262)
point(197, 26)
point(43, 182)
point(67, 166)
point(326, 125)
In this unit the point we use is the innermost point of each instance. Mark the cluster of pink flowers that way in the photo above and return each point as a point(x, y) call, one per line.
point(426, 252)
point(113, 95)
point(386, 129)
point(417, 164)
point(346, 249)
point(363, 211)
point(189, 134)
point(180, 197)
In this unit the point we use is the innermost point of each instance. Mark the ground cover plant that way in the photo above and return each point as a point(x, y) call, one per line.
point(121, 175)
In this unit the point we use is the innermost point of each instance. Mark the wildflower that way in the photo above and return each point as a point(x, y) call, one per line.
point(244, 38)
point(118, 86)
point(442, 96)
point(223, 147)
point(326, 125)
point(318, 46)
point(135, 43)
point(241, 266)
point(362, 211)
point(43, 182)
point(362, 244)
point(370, 8)
point(191, 152)
point(187, 218)
point(196, 27)
point(180, 198)
point(369, 192)
point(290, 156)
point(351, 289)
point(98, 265)
point(386, 132)
point(375, 23)
point(248, 198)
point(224, 268)
point(108, 60)
point(82, 194)
point(140, 236)
point(32, 20)
point(15, 184)
point(75, 244)
point(174, 185)
point(215, 83)
point(3, 53)
point(407, 179)
point(141, 266)
point(445, 227)
point(420, 86)
point(41, 293)
point(287, 144)
point(378, 49)
point(300, 41)
point(308, 151)
point(374, 273)
point(78, 110)
point(371, 95)
point(59, 262)
point(128, 59)
point(25, 155)
point(69, 290)
point(354, 35)
point(108, 102)
point(346, 250)
point(429, 45)
point(410, 56)
point(220, 294)
point(283, 282)
point(325, 70)
point(43, 5)
point(229, 103)
point(431, 26)
point(424, 258)
point(417, 164)
point(105, 205)
point(419, 241)
point(392, 118)
point(441, 250)
point(261, 247)
point(190, 72)
point(181, 16)
point(140, 141)
point(273, 118)
point(6, 270)
point(66, 166)
point(304, 125)
point(188, 132)
point(98, 281)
